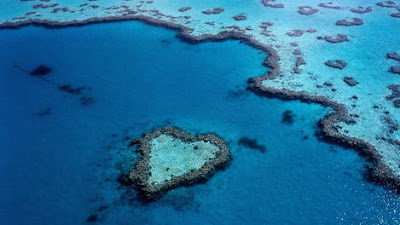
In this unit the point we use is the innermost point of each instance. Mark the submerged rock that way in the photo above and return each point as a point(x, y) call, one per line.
point(396, 103)
point(392, 125)
point(296, 70)
point(395, 69)
point(386, 4)
point(395, 15)
point(69, 89)
point(350, 81)
point(307, 10)
point(361, 10)
point(184, 9)
point(240, 17)
point(394, 56)
point(355, 22)
point(338, 64)
point(268, 4)
point(252, 143)
point(40, 71)
point(328, 5)
point(395, 95)
point(395, 92)
point(171, 158)
point(295, 33)
point(300, 61)
point(297, 52)
point(338, 39)
point(214, 11)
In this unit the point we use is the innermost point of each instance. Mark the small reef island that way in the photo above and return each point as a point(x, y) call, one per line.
point(170, 157)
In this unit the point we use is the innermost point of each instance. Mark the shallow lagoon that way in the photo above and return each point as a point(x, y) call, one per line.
point(60, 168)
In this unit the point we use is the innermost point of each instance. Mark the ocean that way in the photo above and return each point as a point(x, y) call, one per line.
point(62, 152)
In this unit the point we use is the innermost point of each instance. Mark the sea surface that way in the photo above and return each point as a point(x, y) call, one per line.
point(61, 153)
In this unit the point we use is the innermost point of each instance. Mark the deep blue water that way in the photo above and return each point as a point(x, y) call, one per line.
point(61, 167)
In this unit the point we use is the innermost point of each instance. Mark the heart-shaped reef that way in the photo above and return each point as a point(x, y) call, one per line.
point(170, 157)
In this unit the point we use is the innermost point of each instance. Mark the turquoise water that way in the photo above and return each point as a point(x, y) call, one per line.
point(60, 168)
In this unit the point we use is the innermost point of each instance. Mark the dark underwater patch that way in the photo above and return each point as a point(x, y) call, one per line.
point(181, 199)
point(92, 218)
point(86, 100)
point(395, 95)
point(102, 208)
point(71, 90)
point(252, 143)
point(44, 112)
point(41, 70)
point(237, 94)
point(288, 117)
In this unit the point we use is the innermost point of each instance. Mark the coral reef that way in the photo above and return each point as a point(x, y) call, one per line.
point(355, 22)
point(362, 10)
point(214, 11)
point(171, 158)
point(307, 10)
point(350, 81)
point(338, 39)
point(240, 17)
point(268, 4)
point(338, 64)
point(395, 69)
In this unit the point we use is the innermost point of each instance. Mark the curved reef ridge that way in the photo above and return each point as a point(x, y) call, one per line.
point(171, 158)
point(359, 112)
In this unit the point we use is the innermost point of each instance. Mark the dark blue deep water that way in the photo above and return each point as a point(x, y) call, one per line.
point(61, 153)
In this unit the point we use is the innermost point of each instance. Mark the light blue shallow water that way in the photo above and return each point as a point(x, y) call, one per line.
point(60, 168)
